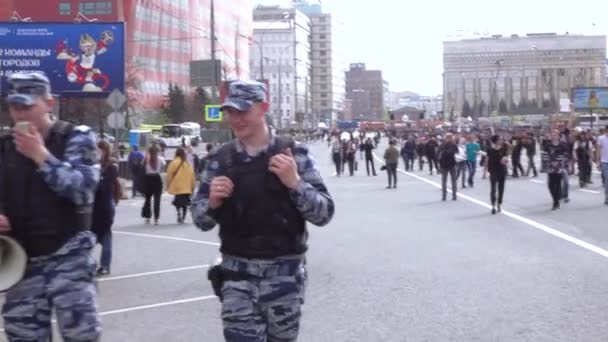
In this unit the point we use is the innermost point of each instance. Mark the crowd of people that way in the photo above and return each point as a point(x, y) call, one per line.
point(456, 156)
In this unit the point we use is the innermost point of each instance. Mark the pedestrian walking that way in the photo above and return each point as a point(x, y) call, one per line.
point(48, 181)
point(107, 196)
point(557, 163)
point(408, 153)
point(447, 165)
point(261, 190)
point(472, 152)
point(391, 159)
point(496, 165)
point(154, 165)
point(180, 183)
point(135, 163)
point(461, 161)
point(602, 160)
point(368, 148)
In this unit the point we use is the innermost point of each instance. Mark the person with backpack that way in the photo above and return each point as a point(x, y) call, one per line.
point(180, 183)
point(107, 196)
point(337, 156)
point(46, 207)
point(261, 190)
point(135, 163)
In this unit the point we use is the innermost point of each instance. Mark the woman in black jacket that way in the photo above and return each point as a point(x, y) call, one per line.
point(104, 207)
point(496, 164)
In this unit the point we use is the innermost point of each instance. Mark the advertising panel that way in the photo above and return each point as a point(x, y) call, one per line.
point(80, 59)
point(590, 98)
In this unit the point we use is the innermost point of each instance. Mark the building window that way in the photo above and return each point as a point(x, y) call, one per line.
point(324, 95)
point(324, 103)
point(323, 36)
point(322, 45)
point(65, 8)
point(323, 61)
point(287, 99)
point(324, 86)
point(323, 53)
point(322, 19)
point(324, 78)
point(95, 7)
point(288, 113)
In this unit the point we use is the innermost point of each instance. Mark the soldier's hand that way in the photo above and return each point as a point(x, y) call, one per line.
point(284, 166)
point(219, 189)
point(5, 225)
point(31, 145)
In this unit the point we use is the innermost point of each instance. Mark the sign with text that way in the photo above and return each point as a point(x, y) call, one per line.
point(79, 59)
point(590, 98)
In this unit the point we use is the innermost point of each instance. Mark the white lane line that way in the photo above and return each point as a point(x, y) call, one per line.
point(537, 225)
point(537, 181)
point(145, 274)
point(157, 305)
point(590, 191)
point(145, 307)
point(164, 237)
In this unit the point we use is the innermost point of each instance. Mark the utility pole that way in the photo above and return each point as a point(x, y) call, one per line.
point(213, 59)
point(280, 96)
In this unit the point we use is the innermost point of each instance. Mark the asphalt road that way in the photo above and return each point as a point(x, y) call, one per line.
point(394, 265)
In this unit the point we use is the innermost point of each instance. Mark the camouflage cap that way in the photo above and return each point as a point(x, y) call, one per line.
point(242, 94)
point(24, 88)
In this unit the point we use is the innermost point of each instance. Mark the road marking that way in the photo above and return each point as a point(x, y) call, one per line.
point(590, 191)
point(532, 223)
point(145, 274)
point(164, 237)
point(537, 181)
point(157, 305)
point(145, 307)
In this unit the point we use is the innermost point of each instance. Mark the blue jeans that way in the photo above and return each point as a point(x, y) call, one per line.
point(461, 171)
point(106, 249)
point(472, 168)
point(605, 177)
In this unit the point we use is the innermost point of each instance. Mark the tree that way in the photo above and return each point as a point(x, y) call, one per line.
point(175, 106)
point(198, 101)
point(502, 106)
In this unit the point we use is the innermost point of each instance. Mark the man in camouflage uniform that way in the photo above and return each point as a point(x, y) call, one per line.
point(49, 173)
point(261, 189)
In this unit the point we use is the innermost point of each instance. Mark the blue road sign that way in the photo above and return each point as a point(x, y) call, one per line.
point(213, 113)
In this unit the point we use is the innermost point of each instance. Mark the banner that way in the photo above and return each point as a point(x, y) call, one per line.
point(80, 59)
point(590, 98)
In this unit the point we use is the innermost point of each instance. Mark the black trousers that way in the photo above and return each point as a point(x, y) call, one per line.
point(497, 180)
point(433, 161)
point(391, 171)
point(555, 187)
point(369, 161)
point(338, 163)
point(531, 166)
point(154, 189)
point(444, 181)
point(517, 167)
point(584, 171)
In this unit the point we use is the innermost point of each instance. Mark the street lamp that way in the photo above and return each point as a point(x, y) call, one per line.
point(499, 63)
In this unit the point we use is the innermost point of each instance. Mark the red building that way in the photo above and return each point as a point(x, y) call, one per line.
point(163, 36)
point(6, 9)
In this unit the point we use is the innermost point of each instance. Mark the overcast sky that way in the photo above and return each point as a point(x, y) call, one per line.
point(403, 38)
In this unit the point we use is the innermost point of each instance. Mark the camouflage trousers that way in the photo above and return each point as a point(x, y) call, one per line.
point(266, 307)
point(63, 281)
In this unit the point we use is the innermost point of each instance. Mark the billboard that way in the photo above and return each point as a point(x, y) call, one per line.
point(590, 98)
point(84, 59)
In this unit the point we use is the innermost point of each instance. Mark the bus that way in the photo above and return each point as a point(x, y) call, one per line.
point(175, 135)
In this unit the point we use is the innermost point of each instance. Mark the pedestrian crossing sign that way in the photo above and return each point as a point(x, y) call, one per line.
point(213, 113)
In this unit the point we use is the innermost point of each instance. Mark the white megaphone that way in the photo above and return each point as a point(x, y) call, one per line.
point(13, 261)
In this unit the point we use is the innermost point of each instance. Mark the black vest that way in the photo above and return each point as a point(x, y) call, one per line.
point(260, 220)
point(41, 220)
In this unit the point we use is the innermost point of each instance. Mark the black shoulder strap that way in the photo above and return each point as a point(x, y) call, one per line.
point(61, 131)
point(284, 142)
point(225, 155)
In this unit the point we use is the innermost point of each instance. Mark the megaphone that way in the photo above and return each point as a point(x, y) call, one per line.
point(13, 261)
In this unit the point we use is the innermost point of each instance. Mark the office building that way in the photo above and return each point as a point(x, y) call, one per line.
point(162, 36)
point(280, 53)
point(366, 90)
point(519, 74)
